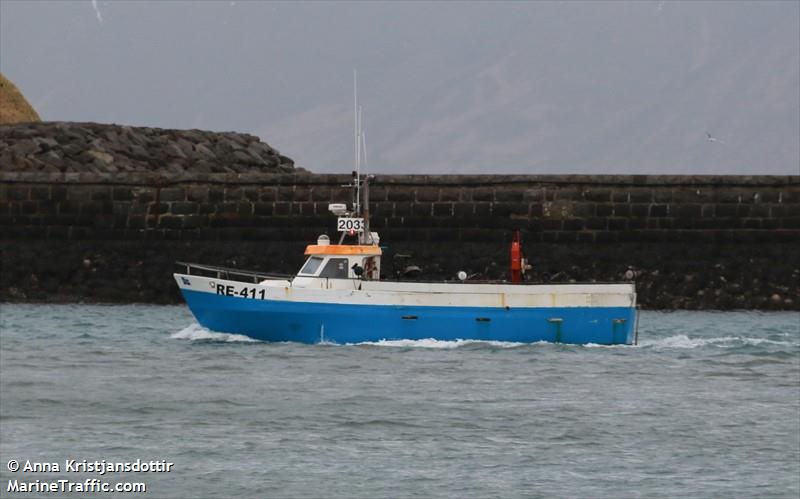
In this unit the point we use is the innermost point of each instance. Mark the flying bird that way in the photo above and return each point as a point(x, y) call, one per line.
point(713, 139)
point(97, 11)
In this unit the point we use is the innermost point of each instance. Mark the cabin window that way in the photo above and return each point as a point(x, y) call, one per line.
point(311, 265)
point(336, 268)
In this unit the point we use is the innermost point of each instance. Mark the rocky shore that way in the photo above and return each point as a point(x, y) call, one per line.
point(61, 147)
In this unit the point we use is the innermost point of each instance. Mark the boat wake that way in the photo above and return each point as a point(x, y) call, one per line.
point(682, 341)
point(196, 332)
point(440, 344)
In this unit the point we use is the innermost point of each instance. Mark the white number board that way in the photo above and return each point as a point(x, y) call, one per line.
point(344, 224)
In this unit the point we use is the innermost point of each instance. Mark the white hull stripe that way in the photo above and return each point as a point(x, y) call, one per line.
point(387, 293)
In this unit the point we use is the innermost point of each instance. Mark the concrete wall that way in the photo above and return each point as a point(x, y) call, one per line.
point(692, 242)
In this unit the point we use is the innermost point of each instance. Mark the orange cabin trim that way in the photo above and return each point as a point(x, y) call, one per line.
point(342, 249)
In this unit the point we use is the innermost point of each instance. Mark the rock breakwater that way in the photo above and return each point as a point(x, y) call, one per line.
point(64, 147)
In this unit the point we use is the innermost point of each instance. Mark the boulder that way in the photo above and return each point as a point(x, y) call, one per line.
point(102, 157)
point(100, 148)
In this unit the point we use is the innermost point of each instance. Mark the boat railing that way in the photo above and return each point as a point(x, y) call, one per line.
point(231, 274)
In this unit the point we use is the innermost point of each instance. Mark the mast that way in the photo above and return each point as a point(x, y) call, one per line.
point(367, 233)
point(357, 143)
point(360, 145)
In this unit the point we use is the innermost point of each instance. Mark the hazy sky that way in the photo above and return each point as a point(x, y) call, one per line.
point(519, 87)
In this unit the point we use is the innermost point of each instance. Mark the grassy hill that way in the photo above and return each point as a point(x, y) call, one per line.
point(13, 106)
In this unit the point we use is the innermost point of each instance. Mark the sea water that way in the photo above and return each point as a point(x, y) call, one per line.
point(707, 405)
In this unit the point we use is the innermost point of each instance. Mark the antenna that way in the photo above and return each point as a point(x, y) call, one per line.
point(367, 234)
point(360, 146)
point(355, 114)
point(357, 142)
point(364, 146)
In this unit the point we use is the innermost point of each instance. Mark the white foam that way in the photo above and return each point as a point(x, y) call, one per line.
point(196, 332)
point(683, 341)
point(598, 345)
point(441, 344)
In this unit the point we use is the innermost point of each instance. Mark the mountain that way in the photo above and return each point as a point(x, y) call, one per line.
point(13, 106)
point(576, 88)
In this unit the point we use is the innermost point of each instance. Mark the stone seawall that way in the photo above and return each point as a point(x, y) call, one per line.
point(690, 242)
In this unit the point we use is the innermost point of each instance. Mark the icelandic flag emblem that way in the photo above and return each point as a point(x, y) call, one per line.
point(185, 281)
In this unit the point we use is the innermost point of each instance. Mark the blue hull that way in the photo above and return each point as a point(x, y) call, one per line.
point(305, 322)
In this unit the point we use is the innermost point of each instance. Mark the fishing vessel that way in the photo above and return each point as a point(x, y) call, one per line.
point(341, 296)
point(338, 297)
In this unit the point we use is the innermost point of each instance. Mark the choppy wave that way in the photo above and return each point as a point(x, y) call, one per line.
point(598, 345)
point(684, 341)
point(196, 332)
point(411, 408)
point(680, 341)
